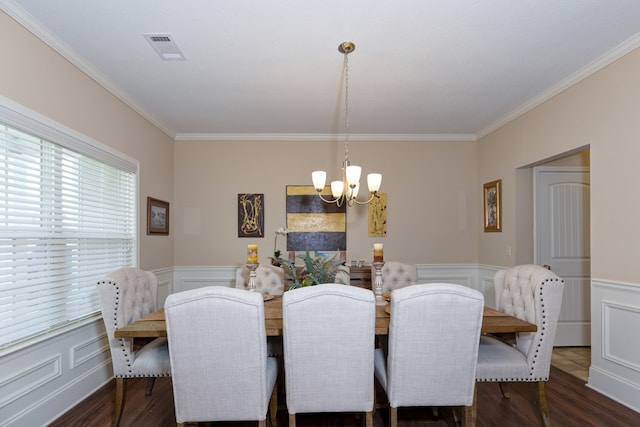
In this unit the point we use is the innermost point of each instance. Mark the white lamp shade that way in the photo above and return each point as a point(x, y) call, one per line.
point(374, 180)
point(353, 174)
point(336, 188)
point(319, 178)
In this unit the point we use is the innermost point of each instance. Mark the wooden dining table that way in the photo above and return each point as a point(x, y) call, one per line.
point(153, 325)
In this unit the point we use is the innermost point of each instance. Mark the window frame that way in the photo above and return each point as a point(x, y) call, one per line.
point(32, 123)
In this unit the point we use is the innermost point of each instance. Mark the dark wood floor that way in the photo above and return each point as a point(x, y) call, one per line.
point(571, 403)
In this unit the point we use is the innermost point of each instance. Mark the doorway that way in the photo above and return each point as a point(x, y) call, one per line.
point(562, 241)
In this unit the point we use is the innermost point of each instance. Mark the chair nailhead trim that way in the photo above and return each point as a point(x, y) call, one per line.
point(115, 324)
point(543, 327)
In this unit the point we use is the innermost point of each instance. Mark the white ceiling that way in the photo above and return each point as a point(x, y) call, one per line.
point(422, 69)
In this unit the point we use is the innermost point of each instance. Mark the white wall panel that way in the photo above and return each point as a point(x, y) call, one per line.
point(615, 349)
point(619, 348)
point(187, 278)
point(40, 382)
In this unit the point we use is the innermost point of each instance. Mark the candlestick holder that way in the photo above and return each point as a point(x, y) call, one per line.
point(252, 276)
point(377, 282)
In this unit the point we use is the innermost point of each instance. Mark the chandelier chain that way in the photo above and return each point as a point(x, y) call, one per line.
point(346, 191)
point(346, 104)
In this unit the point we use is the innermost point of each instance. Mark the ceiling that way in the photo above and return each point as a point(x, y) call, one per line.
point(422, 69)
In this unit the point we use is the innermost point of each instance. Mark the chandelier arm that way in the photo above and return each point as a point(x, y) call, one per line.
point(373, 196)
point(338, 200)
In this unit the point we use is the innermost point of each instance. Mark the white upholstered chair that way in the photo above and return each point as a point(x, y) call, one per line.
point(534, 294)
point(329, 334)
point(396, 275)
point(269, 279)
point(126, 295)
point(219, 364)
point(433, 347)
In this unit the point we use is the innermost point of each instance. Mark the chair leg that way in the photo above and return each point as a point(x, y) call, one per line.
point(375, 392)
point(504, 389)
point(470, 413)
point(292, 420)
point(150, 382)
point(542, 404)
point(120, 393)
point(262, 423)
point(273, 408)
point(369, 418)
point(456, 415)
point(393, 416)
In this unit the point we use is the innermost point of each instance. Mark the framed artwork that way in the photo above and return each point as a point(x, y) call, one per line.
point(312, 223)
point(378, 216)
point(492, 206)
point(250, 215)
point(157, 217)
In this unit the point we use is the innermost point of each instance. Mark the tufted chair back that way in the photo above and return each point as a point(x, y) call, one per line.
point(269, 279)
point(534, 294)
point(519, 292)
point(126, 295)
point(397, 275)
point(342, 275)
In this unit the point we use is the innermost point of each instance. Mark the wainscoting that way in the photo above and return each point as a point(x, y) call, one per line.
point(45, 378)
point(615, 335)
point(471, 275)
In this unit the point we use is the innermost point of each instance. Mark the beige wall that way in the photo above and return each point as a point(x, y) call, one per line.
point(35, 76)
point(599, 112)
point(431, 197)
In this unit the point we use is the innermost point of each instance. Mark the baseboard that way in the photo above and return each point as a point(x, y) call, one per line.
point(615, 387)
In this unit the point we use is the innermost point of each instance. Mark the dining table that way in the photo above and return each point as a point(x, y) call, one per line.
point(153, 325)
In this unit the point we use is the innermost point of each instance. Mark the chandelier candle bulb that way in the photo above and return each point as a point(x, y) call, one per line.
point(377, 252)
point(252, 254)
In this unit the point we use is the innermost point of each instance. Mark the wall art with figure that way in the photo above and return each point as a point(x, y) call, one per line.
point(250, 215)
point(492, 214)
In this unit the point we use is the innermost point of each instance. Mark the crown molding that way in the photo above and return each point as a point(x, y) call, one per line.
point(609, 57)
point(31, 24)
point(402, 137)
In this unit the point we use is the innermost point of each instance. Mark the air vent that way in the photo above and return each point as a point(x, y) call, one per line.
point(164, 45)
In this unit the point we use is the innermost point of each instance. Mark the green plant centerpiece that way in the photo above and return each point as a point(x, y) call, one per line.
point(317, 269)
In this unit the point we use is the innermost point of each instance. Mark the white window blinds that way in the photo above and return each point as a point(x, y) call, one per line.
point(66, 220)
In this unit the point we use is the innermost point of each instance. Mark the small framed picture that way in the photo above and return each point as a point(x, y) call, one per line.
point(157, 217)
point(250, 215)
point(492, 206)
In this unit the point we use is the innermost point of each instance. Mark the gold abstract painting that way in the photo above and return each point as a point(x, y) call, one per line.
point(378, 216)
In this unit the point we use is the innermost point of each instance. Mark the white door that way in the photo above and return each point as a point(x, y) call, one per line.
point(563, 242)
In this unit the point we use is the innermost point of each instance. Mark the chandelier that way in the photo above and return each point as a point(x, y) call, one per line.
point(347, 189)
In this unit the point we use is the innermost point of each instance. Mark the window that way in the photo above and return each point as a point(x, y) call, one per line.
point(67, 218)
